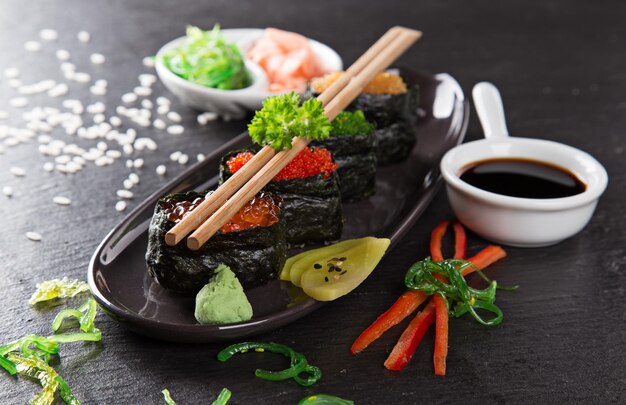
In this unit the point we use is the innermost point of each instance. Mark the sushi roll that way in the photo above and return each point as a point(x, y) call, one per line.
point(309, 190)
point(352, 144)
point(252, 244)
point(388, 103)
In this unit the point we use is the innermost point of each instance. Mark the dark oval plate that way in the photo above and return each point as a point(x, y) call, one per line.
point(122, 286)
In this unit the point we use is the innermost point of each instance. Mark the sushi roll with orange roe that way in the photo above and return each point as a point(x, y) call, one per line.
point(309, 190)
point(252, 244)
point(389, 104)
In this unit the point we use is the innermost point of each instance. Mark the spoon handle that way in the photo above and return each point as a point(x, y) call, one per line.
point(490, 110)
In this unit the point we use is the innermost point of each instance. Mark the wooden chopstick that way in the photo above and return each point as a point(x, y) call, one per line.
point(216, 199)
point(401, 40)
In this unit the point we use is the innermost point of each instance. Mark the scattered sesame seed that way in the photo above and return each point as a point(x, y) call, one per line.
point(159, 124)
point(115, 154)
point(183, 159)
point(60, 89)
point(129, 98)
point(146, 104)
point(11, 73)
point(161, 169)
point(84, 36)
point(142, 91)
point(60, 200)
point(48, 166)
point(32, 46)
point(98, 91)
point(115, 121)
point(128, 150)
point(147, 79)
point(124, 194)
point(200, 157)
point(98, 118)
point(175, 155)
point(82, 77)
point(18, 171)
point(48, 34)
point(134, 177)
point(128, 184)
point(148, 61)
point(97, 58)
point(63, 54)
point(34, 236)
point(7, 191)
point(120, 206)
point(18, 102)
point(175, 129)
point(163, 109)
point(129, 162)
point(174, 116)
point(138, 163)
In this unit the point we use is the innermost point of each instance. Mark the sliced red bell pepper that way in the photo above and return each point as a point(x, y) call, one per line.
point(460, 241)
point(484, 258)
point(436, 238)
point(441, 334)
point(404, 306)
point(410, 339)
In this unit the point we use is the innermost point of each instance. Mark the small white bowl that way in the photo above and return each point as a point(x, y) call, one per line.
point(523, 222)
point(234, 103)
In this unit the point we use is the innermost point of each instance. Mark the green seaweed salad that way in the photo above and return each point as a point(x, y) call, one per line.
point(206, 59)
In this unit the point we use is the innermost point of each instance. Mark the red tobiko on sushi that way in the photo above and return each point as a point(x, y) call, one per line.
point(309, 162)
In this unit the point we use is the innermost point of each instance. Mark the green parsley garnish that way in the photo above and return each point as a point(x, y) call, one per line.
point(282, 117)
point(351, 124)
point(206, 59)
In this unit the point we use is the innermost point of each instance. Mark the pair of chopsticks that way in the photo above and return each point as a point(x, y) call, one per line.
point(228, 199)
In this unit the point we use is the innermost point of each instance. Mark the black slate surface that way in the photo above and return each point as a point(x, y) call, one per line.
point(561, 69)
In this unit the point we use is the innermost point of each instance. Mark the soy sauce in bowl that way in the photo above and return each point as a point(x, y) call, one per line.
point(524, 178)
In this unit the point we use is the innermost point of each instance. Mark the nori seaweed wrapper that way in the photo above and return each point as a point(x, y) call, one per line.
point(311, 206)
point(395, 117)
point(256, 255)
point(356, 160)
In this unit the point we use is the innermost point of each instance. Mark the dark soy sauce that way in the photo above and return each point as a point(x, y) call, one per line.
point(523, 178)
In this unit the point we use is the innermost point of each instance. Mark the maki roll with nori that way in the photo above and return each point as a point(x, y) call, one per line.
point(351, 143)
point(388, 103)
point(308, 187)
point(252, 244)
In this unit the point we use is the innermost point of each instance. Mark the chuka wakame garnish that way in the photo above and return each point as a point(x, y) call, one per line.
point(298, 363)
point(282, 117)
point(460, 298)
point(30, 355)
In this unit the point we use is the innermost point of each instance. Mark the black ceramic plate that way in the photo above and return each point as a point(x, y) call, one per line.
point(117, 271)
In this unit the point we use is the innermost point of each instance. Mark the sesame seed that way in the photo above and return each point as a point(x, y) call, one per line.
point(60, 89)
point(63, 55)
point(134, 178)
point(97, 58)
point(142, 91)
point(128, 184)
point(7, 191)
point(34, 236)
point(175, 129)
point(120, 206)
point(163, 100)
point(163, 109)
point(18, 171)
point(147, 79)
point(138, 163)
point(174, 116)
point(200, 157)
point(114, 153)
point(124, 194)
point(175, 155)
point(32, 46)
point(11, 73)
point(115, 121)
point(159, 124)
point(82, 77)
point(98, 91)
point(161, 169)
point(129, 98)
point(84, 36)
point(48, 34)
point(148, 61)
point(48, 166)
point(60, 200)
point(18, 102)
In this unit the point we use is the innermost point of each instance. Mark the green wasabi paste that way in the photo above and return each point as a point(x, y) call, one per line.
point(222, 300)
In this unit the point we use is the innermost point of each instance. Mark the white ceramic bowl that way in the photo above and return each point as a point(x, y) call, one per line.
point(514, 221)
point(234, 103)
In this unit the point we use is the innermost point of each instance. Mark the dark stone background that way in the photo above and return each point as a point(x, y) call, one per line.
point(561, 68)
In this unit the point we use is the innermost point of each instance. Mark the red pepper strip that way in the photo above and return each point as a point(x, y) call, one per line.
point(485, 258)
point(411, 338)
point(435, 241)
point(460, 241)
point(403, 307)
point(441, 334)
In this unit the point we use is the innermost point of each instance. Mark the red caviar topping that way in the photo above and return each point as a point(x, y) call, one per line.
point(260, 211)
point(309, 162)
